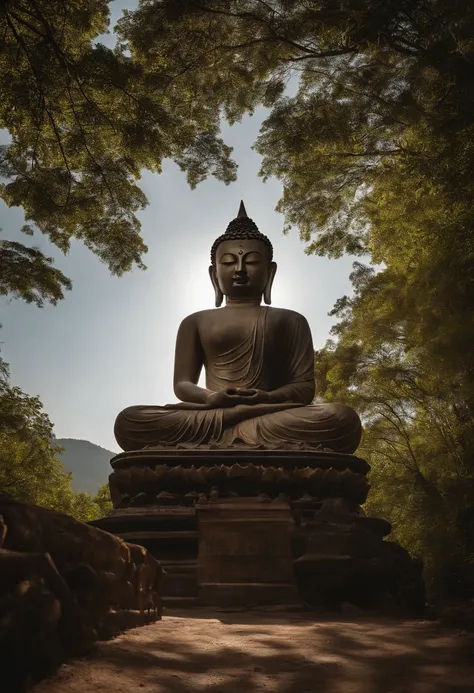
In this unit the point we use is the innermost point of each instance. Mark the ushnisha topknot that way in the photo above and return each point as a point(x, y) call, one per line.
point(241, 229)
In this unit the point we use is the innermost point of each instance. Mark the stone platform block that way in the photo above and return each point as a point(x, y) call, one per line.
point(245, 553)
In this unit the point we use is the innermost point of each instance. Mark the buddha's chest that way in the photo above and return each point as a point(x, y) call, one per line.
point(226, 330)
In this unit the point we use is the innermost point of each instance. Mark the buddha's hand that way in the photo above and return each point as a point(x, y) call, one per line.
point(223, 399)
point(253, 396)
point(233, 396)
point(214, 400)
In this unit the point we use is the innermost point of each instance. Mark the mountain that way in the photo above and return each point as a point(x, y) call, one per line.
point(89, 463)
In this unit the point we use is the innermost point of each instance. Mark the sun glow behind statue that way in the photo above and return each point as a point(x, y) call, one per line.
point(198, 293)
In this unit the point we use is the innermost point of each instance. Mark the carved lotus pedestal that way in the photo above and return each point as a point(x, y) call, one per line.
point(241, 527)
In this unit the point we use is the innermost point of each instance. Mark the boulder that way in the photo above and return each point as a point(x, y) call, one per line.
point(63, 586)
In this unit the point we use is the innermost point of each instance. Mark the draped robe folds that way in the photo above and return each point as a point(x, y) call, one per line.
point(276, 352)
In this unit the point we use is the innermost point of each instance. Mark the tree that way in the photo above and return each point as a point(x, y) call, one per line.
point(85, 507)
point(20, 413)
point(103, 500)
point(31, 472)
point(415, 438)
point(84, 121)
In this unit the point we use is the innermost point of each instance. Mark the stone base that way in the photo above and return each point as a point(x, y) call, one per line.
point(252, 526)
point(245, 553)
point(206, 457)
point(247, 594)
point(170, 535)
point(162, 478)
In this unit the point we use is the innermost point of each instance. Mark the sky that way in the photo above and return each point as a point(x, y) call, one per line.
point(110, 343)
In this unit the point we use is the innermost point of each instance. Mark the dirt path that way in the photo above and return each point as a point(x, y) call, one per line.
point(217, 652)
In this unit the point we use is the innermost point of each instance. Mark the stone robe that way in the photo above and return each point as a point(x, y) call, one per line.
point(278, 351)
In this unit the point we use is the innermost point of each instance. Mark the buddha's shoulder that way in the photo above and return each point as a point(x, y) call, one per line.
point(199, 316)
point(287, 316)
point(278, 315)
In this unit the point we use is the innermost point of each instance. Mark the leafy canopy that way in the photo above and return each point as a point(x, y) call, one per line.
point(84, 121)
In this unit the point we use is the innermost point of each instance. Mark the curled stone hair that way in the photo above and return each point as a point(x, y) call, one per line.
point(242, 229)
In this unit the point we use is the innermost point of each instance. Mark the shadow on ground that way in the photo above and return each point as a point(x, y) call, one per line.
point(246, 652)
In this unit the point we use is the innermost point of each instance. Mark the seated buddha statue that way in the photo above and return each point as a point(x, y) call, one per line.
point(259, 366)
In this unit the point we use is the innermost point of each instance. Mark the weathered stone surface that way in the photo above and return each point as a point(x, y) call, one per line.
point(339, 553)
point(341, 557)
point(202, 457)
point(245, 553)
point(31, 528)
point(169, 532)
point(63, 585)
point(142, 485)
point(41, 623)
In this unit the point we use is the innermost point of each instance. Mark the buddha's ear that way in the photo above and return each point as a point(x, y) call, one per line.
point(267, 293)
point(215, 284)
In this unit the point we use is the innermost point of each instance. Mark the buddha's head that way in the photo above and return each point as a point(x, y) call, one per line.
point(241, 262)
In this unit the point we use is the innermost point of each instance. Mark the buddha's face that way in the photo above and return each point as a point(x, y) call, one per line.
point(242, 268)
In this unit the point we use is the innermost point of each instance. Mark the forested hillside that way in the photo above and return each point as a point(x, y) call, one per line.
point(88, 463)
point(30, 467)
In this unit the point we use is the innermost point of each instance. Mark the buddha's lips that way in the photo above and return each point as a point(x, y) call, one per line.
point(240, 280)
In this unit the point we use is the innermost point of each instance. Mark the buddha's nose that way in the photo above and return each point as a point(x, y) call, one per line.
point(240, 269)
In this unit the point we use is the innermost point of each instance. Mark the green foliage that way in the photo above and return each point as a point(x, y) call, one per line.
point(30, 470)
point(84, 121)
point(85, 507)
point(375, 151)
point(21, 413)
point(27, 274)
point(103, 500)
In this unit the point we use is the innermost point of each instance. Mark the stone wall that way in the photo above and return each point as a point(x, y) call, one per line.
point(63, 586)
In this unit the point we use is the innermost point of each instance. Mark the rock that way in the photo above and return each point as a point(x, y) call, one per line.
point(341, 557)
point(3, 531)
point(141, 499)
point(63, 585)
point(165, 498)
point(34, 529)
point(123, 501)
point(190, 498)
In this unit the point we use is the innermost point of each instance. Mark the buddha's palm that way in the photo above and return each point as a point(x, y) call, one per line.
point(236, 397)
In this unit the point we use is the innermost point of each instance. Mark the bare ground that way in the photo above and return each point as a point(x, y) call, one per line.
point(201, 651)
